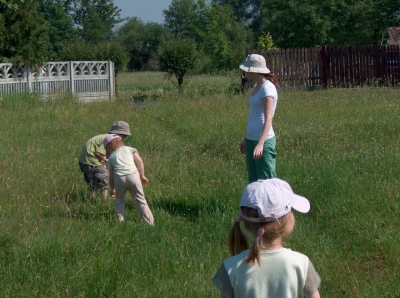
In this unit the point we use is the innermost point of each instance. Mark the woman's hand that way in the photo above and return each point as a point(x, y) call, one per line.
point(243, 146)
point(258, 151)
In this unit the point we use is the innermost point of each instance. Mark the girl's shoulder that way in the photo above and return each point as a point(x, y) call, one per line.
point(130, 149)
point(235, 261)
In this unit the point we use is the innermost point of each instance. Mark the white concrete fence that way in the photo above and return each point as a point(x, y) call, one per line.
point(86, 80)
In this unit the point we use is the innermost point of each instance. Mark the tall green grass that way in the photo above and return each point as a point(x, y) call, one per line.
point(339, 148)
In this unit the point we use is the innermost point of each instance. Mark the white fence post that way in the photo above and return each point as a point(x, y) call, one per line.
point(71, 77)
point(111, 79)
point(28, 73)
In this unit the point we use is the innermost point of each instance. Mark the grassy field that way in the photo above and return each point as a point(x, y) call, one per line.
point(339, 148)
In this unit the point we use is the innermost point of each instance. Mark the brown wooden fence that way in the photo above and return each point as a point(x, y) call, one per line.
point(335, 67)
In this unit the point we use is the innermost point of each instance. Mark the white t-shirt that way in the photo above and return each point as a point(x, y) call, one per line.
point(282, 273)
point(256, 119)
point(122, 162)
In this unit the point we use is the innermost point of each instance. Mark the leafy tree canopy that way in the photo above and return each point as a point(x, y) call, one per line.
point(219, 35)
point(61, 29)
point(23, 32)
point(95, 19)
point(80, 49)
point(310, 23)
point(178, 57)
point(140, 41)
point(182, 17)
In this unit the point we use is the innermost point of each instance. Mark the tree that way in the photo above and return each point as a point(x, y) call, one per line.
point(246, 11)
point(182, 18)
point(23, 32)
point(219, 35)
point(140, 41)
point(311, 23)
point(265, 42)
point(224, 40)
point(296, 24)
point(177, 57)
point(95, 19)
point(80, 49)
point(10, 4)
point(364, 22)
point(61, 29)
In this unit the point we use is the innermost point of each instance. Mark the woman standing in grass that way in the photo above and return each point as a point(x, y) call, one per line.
point(125, 176)
point(267, 269)
point(260, 141)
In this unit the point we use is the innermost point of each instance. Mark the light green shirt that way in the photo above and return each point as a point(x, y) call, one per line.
point(95, 144)
point(122, 162)
point(282, 273)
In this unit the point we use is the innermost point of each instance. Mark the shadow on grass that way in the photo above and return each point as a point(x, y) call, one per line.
point(77, 204)
point(192, 212)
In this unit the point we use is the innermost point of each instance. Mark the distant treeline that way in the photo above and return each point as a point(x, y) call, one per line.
point(32, 31)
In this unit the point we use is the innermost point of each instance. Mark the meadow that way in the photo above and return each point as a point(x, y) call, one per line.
point(337, 147)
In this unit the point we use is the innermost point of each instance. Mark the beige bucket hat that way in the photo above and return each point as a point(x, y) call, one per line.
point(120, 127)
point(254, 63)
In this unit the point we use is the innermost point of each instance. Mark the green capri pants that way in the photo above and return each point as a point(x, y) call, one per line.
point(264, 167)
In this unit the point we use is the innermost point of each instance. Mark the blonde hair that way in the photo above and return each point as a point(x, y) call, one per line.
point(113, 145)
point(272, 230)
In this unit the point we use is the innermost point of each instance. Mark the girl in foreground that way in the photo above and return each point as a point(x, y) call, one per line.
point(125, 176)
point(267, 269)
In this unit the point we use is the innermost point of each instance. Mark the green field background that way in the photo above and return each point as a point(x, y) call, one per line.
point(337, 147)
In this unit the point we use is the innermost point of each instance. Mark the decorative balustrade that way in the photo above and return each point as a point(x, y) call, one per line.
point(86, 80)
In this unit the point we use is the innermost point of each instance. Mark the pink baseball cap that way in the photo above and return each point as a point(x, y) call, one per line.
point(109, 138)
point(272, 198)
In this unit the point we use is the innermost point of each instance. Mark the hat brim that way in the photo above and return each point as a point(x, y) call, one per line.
point(254, 69)
point(300, 204)
point(120, 132)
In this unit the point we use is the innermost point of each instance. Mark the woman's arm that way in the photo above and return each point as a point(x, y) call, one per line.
point(316, 294)
point(268, 106)
point(140, 165)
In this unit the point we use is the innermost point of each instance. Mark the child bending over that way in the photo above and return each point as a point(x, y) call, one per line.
point(125, 176)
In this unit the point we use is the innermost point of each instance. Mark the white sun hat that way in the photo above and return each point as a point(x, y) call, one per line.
point(272, 198)
point(254, 63)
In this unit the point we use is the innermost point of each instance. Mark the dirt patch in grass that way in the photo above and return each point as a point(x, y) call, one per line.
point(140, 99)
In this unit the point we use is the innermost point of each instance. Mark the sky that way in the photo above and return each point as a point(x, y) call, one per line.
point(146, 10)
